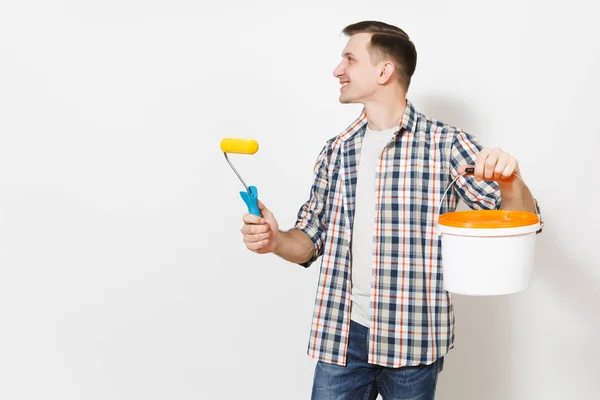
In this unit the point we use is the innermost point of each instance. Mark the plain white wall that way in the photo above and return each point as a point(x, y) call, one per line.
point(122, 270)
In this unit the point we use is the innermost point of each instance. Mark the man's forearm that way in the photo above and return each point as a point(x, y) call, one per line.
point(294, 246)
point(516, 196)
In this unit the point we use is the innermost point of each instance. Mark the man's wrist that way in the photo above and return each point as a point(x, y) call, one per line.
point(277, 239)
point(511, 188)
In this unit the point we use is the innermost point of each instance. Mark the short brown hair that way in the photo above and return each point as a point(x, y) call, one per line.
point(389, 41)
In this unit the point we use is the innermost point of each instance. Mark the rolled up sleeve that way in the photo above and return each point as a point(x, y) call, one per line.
point(311, 216)
point(484, 195)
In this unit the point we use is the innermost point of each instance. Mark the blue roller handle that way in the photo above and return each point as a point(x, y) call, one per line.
point(251, 200)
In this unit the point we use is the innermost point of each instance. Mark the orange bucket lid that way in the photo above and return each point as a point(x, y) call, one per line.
point(488, 219)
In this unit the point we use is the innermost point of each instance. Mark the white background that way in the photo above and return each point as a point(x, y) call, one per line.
point(122, 270)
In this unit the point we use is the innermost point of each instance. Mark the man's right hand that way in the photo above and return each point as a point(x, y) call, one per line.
point(261, 234)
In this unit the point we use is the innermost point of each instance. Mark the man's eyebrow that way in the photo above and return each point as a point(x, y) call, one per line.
point(348, 54)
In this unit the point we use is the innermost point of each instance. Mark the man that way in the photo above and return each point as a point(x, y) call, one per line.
point(382, 321)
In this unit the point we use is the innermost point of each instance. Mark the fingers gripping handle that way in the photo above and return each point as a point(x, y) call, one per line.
point(251, 199)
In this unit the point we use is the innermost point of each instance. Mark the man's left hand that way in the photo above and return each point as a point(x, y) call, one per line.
point(494, 164)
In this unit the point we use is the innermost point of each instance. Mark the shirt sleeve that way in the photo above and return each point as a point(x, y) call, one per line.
point(484, 195)
point(311, 216)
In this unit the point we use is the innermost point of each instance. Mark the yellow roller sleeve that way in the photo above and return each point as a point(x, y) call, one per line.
point(240, 146)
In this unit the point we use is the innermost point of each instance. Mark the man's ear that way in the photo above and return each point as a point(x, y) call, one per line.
point(386, 73)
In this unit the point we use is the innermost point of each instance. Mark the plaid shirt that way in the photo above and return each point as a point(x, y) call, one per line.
point(412, 314)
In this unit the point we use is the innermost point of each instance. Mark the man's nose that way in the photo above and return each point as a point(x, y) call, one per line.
point(338, 71)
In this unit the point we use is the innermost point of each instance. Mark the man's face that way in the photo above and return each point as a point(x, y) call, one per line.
point(355, 72)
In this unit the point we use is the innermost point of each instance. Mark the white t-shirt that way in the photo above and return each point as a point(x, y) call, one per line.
point(364, 223)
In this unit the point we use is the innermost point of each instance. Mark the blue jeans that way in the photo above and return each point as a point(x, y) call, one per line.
point(359, 380)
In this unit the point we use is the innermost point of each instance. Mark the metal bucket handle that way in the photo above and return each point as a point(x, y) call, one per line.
point(470, 171)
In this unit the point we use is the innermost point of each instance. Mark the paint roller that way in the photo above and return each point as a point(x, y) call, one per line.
point(243, 146)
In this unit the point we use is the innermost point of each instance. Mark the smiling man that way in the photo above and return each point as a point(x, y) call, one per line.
point(382, 321)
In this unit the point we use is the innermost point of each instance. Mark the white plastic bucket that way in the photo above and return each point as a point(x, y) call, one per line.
point(486, 257)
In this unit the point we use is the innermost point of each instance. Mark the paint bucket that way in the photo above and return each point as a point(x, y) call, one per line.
point(487, 252)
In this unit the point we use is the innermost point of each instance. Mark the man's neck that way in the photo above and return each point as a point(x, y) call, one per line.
point(385, 115)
